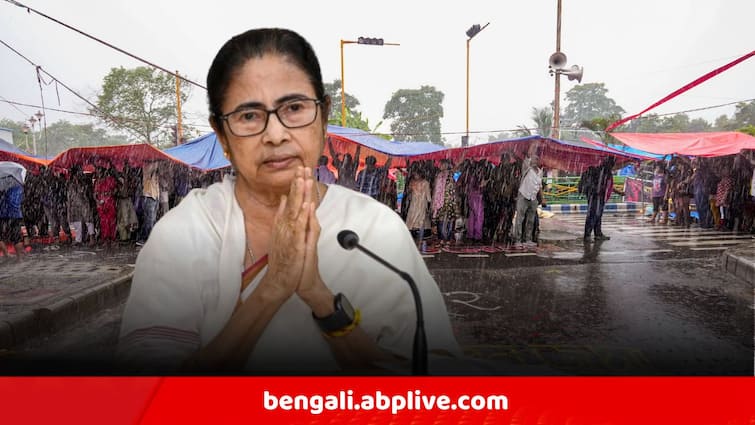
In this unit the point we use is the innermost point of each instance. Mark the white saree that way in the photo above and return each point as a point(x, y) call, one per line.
point(188, 278)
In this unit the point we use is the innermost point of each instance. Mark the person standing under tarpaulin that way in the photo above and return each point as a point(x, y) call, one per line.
point(597, 184)
point(105, 189)
point(526, 201)
point(150, 197)
point(11, 218)
point(347, 167)
point(445, 202)
point(126, 221)
point(79, 213)
point(700, 188)
point(370, 178)
point(417, 217)
point(323, 173)
point(659, 189)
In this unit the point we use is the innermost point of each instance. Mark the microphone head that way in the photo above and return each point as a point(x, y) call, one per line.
point(348, 239)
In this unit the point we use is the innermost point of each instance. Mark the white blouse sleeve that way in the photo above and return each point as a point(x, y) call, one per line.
point(163, 315)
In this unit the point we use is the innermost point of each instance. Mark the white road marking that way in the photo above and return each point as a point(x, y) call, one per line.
point(695, 243)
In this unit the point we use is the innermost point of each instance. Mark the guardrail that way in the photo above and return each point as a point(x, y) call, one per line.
point(563, 190)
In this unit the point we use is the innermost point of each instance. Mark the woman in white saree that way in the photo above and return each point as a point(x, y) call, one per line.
point(247, 275)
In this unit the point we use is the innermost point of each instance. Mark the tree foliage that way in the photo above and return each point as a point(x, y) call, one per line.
point(140, 101)
point(61, 135)
point(354, 117)
point(744, 115)
point(589, 101)
point(543, 119)
point(334, 91)
point(502, 136)
point(16, 129)
point(416, 114)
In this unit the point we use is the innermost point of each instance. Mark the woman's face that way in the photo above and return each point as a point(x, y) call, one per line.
point(270, 159)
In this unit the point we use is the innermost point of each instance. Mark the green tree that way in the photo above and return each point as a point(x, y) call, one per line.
point(19, 138)
point(650, 123)
point(416, 114)
point(748, 129)
point(598, 126)
point(589, 101)
point(140, 101)
point(543, 118)
point(502, 136)
point(62, 135)
point(354, 117)
point(334, 91)
point(698, 125)
point(522, 131)
point(722, 123)
point(677, 123)
point(744, 115)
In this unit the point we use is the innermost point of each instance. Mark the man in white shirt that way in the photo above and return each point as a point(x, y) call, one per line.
point(526, 201)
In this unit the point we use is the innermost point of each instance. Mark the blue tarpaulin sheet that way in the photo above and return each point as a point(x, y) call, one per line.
point(206, 153)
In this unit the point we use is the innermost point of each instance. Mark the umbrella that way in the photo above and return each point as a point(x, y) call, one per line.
point(11, 174)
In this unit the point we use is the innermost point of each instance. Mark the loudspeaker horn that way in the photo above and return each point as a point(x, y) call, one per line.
point(574, 73)
point(557, 60)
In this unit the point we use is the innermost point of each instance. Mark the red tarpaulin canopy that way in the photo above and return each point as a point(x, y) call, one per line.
point(692, 144)
point(135, 155)
point(29, 162)
point(554, 154)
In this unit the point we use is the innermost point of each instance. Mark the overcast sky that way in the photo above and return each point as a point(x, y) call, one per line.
point(642, 50)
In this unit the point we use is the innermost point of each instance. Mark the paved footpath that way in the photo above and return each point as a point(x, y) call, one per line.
point(51, 288)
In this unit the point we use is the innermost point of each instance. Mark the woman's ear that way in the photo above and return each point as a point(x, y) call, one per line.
point(221, 139)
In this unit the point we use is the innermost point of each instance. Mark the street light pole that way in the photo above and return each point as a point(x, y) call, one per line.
point(25, 129)
point(343, 86)
point(179, 128)
point(33, 120)
point(557, 96)
point(467, 132)
point(361, 40)
point(39, 116)
point(471, 32)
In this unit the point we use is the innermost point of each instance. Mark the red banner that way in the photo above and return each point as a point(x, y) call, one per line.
point(377, 400)
point(688, 86)
point(635, 191)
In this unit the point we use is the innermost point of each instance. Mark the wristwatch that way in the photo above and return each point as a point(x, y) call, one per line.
point(343, 316)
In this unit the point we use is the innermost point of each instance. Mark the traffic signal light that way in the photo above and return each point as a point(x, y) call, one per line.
point(473, 30)
point(368, 40)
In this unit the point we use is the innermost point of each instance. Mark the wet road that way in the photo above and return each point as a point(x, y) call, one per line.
point(653, 300)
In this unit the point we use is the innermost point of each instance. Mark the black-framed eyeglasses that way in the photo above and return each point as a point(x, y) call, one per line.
point(252, 120)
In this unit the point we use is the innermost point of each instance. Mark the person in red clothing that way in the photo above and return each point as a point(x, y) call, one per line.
point(105, 189)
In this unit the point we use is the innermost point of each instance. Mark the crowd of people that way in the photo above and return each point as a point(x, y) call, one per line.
point(449, 205)
point(474, 202)
point(104, 207)
point(483, 204)
point(722, 189)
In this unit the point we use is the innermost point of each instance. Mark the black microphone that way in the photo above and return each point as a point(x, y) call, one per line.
point(349, 240)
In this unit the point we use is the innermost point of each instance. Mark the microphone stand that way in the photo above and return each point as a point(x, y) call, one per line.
point(419, 351)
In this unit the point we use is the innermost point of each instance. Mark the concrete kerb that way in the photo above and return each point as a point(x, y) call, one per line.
point(620, 207)
point(740, 262)
point(63, 312)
